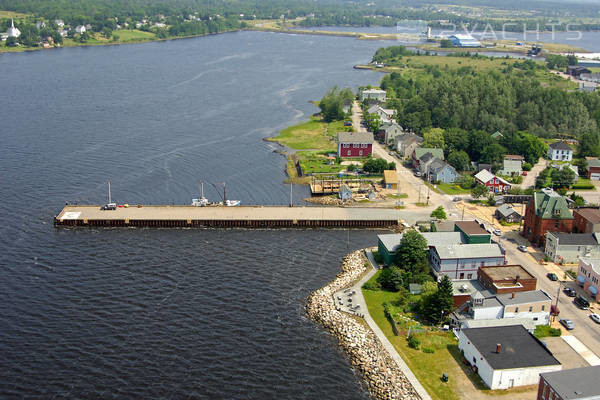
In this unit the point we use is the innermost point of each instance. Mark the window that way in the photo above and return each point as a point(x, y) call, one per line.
point(530, 309)
point(346, 145)
point(364, 145)
point(483, 263)
point(474, 360)
point(543, 307)
point(516, 309)
point(469, 276)
point(349, 152)
point(360, 153)
point(473, 264)
point(556, 224)
point(462, 275)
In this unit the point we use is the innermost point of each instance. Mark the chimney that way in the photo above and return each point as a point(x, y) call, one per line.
point(512, 295)
point(498, 348)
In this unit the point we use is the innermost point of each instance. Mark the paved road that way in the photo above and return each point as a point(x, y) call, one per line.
point(408, 184)
point(587, 331)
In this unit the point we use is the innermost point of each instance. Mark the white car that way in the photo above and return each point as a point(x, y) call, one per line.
point(497, 232)
point(595, 318)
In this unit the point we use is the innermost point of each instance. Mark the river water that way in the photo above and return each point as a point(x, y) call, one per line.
point(144, 313)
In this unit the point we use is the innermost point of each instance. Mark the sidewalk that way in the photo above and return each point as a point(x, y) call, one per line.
point(583, 351)
point(384, 341)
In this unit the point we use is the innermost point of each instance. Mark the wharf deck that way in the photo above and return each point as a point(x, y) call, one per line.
point(167, 216)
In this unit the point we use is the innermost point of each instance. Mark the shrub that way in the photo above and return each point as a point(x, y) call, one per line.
point(429, 350)
point(572, 273)
point(526, 166)
point(414, 342)
point(372, 286)
point(582, 186)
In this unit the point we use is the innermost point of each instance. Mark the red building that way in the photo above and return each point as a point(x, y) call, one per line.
point(355, 144)
point(593, 168)
point(546, 211)
point(587, 220)
point(492, 182)
point(570, 384)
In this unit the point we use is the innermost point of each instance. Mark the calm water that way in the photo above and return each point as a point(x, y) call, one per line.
point(164, 313)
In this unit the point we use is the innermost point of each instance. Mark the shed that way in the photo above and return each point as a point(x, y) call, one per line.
point(390, 179)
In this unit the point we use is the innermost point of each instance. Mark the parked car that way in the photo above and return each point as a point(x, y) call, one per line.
point(522, 248)
point(417, 174)
point(570, 292)
point(567, 323)
point(595, 318)
point(581, 302)
point(456, 199)
point(497, 232)
point(109, 206)
point(347, 123)
point(552, 276)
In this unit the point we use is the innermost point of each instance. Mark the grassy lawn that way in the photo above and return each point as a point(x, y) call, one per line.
point(542, 331)
point(12, 14)
point(442, 356)
point(427, 367)
point(127, 35)
point(317, 162)
point(452, 189)
point(310, 135)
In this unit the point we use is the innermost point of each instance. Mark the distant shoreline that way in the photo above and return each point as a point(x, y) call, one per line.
point(555, 47)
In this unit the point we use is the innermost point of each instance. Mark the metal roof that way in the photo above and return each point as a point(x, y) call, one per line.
point(506, 210)
point(519, 348)
point(469, 251)
point(392, 241)
point(576, 383)
point(532, 296)
point(550, 205)
point(355, 137)
point(420, 151)
point(485, 176)
point(575, 239)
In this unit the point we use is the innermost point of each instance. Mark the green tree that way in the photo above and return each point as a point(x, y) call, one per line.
point(479, 191)
point(11, 41)
point(556, 61)
point(493, 154)
point(433, 138)
point(579, 200)
point(412, 253)
point(445, 298)
point(589, 145)
point(459, 160)
point(438, 213)
point(391, 278)
point(332, 104)
point(562, 178)
point(466, 182)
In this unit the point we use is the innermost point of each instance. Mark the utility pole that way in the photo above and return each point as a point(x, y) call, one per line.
point(557, 296)
point(109, 196)
point(420, 193)
point(428, 189)
point(291, 194)
point(463, 214)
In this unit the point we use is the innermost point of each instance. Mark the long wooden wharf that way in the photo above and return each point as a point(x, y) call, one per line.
point(181, 216)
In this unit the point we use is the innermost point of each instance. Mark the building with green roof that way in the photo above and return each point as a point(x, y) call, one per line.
point(547, 211)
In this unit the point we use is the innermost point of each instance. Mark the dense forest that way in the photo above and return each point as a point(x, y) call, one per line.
point(467, 106)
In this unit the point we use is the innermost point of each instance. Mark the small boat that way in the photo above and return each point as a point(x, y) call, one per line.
point(232, 203)
point(201, 202)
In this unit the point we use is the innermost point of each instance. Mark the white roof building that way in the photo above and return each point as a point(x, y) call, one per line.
point(80, 29)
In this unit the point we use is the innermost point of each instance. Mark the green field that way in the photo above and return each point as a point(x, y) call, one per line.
point(132, 35)
point(452, 189)
point(12, 14)
point(310, 135)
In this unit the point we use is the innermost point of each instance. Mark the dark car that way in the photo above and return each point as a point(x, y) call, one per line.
point(570, 292)
point(582, 302)
point(347, 123)
point(552, 276)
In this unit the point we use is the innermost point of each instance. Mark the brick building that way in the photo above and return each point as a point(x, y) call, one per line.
point(570, 384)
point(587, 220)
point(546, 211)
point(506, 279)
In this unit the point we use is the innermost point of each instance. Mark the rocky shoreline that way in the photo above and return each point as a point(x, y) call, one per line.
point(384, 378)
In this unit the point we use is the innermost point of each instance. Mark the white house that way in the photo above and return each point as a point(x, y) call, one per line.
point(562, 247)
point(80, 29)
point(461, 261)
point(392, 130)
point(506, 356)
point(59, 22)
point(560, 151)
point(372, 94)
